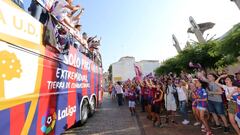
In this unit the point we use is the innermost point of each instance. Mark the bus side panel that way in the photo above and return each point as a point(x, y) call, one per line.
point(72, 98)
point(79, 97)
point(99, 86)
point(13, 119)
point(97, 79)
point(5, 121)
point(46, 114)
point(62, 104)
point(92, 79)
point(89, 93)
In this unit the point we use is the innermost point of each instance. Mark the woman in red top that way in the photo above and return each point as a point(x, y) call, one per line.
point(143, 96)
point(157, 99)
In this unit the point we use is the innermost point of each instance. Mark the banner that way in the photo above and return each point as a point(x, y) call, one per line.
point(57, 36)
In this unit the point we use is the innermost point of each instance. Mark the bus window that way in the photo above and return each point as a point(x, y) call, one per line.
point(33, 8)
point(19, 3)
point(37, 11)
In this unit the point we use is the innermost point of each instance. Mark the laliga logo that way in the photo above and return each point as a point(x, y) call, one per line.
point(10, 67)
point(68, 111)
point(48, 123)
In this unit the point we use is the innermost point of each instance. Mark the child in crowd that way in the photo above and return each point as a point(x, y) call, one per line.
point(132, 100)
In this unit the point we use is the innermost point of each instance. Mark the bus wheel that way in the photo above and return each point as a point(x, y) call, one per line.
point(92, 106)
point(84, 111)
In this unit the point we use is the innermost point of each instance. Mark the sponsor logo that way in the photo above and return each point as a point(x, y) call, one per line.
point(49, 119)
point(68, 111)
point(76, 61)
point(48, 123)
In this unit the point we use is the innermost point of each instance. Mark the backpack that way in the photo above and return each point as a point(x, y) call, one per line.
point(175, 94)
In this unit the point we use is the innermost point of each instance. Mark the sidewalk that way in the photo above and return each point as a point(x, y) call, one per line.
point(173, 129)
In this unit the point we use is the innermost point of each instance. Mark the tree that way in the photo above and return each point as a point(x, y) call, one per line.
point(211, 55)
point(110, 73)
point(10, 67)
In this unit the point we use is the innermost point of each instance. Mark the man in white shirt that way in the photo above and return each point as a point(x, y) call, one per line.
point(182, 96)
point(119, 91)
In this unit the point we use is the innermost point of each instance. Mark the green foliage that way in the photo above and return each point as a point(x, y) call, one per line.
point(213, 54)
point(110, 73)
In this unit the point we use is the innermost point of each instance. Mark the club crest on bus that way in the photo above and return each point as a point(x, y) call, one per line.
point(9, 68)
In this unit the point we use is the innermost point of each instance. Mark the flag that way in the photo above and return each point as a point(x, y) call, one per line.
point(138, 72)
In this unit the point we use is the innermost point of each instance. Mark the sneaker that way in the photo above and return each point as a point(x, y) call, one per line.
point(149, 117)
point(203, 130)
point(174, 122)
point(226, 129)
point(216, 127)
point(185, 122)
point(196, 124)
point(156, 124)
point(209, 133)
point(160, 125)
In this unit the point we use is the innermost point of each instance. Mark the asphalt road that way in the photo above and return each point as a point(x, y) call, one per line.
point(110, 119)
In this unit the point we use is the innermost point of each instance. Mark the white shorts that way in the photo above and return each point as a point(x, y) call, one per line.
point(171, 106)
point(201, 108)
point(131, 103)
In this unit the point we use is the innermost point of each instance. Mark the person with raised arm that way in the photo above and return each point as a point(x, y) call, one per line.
point(61, 10)
point(150, 89)
point(232, 105)
point(215, 102)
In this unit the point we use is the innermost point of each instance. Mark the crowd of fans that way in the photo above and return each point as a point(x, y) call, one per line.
point(68, 16)
point(212, 97)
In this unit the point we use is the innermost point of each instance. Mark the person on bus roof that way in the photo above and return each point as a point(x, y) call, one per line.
point(61, 10)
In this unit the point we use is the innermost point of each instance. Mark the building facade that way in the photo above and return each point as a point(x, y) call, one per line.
point(124, 68)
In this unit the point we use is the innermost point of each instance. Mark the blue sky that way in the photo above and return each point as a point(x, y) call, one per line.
point(143, 28)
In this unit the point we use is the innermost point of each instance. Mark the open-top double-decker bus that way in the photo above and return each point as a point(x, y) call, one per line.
point(43, 89)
